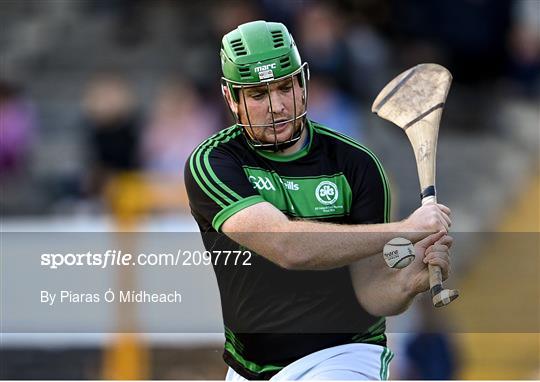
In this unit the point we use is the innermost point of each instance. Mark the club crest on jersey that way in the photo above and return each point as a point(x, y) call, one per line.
point(327, 193)
point(265, 72)
point(261, 183)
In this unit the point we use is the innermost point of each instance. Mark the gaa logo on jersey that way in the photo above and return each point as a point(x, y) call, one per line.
point(261, 183)
point(327, 193)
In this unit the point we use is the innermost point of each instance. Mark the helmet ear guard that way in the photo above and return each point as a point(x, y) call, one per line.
point(303, 78)
point(227, 90)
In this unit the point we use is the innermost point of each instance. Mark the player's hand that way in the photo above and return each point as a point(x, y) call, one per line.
point(432, 250)
point(427, 219)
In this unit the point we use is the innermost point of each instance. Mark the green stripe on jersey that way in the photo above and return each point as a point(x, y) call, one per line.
point(251, 366)
point(374, 334)
point(235, 341)
point(386, 357)
point(208, 167)
point(198, 174)
point(230, 210)
point(387, 197)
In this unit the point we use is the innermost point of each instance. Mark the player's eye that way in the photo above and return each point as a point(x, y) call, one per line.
point(257, 96)
point(286, 88)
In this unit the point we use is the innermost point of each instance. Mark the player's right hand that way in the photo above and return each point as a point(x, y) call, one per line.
point(433, 250)
point(429, 218)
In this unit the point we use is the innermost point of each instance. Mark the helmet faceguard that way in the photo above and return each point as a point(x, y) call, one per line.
point(259, 55)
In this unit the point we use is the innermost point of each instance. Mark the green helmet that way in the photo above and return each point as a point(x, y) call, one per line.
point(257, 53)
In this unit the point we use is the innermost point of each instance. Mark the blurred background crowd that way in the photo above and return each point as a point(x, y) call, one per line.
point(102, 101)
point(92, 88)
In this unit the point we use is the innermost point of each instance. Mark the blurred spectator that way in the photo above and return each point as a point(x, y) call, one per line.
point(473, 50)
point(18, 126)
point(369, 56)
point(179, 121)
point(114, 128)
point(320, 28)
point(330, 106)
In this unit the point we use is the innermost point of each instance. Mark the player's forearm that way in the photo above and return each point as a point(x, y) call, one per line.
point(384, 292)
point(389, 296)
point(307, 245)
point(317, 246)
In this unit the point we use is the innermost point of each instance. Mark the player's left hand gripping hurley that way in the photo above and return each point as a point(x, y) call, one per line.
point(414, 101)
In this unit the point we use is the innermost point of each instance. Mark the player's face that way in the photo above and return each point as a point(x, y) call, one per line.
point(276, 103)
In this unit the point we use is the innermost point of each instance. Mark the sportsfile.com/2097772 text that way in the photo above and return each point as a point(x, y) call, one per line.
point(113, 257)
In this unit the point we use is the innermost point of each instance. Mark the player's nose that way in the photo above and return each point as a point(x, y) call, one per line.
point(276, 104)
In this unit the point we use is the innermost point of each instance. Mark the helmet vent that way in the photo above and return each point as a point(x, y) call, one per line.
point(244, 72)
point(238, 47)
point(277, 39)
point(285, 62)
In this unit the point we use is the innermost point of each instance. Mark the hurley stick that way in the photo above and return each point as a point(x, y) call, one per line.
point(414, 101)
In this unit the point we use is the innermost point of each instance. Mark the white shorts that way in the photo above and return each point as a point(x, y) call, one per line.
point(344, 362)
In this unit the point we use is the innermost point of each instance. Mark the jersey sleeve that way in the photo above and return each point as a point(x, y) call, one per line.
point(217, 187)
point(371, 193)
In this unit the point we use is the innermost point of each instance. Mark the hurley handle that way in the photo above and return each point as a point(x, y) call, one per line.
point(439, 295)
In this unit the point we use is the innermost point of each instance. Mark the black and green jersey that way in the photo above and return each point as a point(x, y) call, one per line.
point(274, 316)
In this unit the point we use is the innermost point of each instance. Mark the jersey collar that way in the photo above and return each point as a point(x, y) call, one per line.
point(288, 158)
